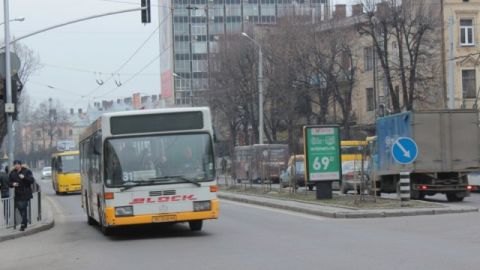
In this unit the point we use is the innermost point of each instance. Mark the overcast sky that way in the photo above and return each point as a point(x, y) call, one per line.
point(75, 57)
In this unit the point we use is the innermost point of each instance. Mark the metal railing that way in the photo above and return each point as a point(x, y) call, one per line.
point(10, 217)
point(7, 219)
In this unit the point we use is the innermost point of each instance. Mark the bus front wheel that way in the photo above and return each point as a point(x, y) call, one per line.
point(91, 221)
point(105, 229)
point(195, 225)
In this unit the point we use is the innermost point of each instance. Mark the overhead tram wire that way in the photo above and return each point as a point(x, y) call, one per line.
point(135, 53)
point(82, 70)
point(131, 57)
point(137, 73)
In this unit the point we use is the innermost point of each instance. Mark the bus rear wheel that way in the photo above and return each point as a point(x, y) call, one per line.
point(196, 225)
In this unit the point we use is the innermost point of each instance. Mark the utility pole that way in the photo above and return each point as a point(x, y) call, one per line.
point(260, 95)
point(9, 107)
point(451, 64)
point(260, 87)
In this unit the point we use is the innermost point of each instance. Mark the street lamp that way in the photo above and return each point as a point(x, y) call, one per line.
point(9, 106)
point(19, 19)
point(260, 87)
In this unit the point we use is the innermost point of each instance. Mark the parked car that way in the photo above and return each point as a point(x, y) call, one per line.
point(46, 172)
point(352, 177)
point(295, 173)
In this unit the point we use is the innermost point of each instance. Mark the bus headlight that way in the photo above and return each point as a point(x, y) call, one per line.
point(123, 211)
point(201, 206)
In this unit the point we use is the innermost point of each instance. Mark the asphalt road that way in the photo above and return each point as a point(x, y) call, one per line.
point(251, 237)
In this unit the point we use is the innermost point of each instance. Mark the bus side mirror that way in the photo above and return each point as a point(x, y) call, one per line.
point(97, 144)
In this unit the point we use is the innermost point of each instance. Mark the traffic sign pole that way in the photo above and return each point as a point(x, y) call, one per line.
point(404, 188)
point(404, 151)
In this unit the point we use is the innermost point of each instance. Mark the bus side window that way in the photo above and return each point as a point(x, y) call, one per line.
point(58, 164)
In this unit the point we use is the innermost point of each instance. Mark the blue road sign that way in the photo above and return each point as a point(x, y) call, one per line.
point(404, 150)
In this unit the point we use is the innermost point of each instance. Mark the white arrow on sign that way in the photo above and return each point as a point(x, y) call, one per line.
point(405, 152)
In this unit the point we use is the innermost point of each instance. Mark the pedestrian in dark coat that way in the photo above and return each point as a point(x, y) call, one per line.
point(22, 179)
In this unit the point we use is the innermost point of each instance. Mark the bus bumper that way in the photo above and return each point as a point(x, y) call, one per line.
point(69, 188)
point(112, 220)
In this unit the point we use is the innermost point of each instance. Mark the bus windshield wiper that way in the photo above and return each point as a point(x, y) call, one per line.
point(129, 185)
point(177, 177)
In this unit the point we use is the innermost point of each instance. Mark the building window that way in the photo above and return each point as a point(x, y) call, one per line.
point(468, 83)
point(466, 32)
point(370, 100)
point(183, 97)
point(70, 132)
point(368, 58)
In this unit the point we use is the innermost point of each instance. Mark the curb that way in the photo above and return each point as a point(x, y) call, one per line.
point(341, 213)
point(39, 227)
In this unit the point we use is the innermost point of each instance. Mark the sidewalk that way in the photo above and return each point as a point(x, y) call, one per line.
point(46, 223)
point(338, 212)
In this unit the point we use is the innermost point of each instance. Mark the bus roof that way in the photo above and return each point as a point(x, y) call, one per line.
point(353, 143)
point(66, 153)
point(155, 111)
point(97, 124)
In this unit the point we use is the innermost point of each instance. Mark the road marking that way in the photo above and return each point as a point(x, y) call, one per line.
point(266, 208)
point(58, 210)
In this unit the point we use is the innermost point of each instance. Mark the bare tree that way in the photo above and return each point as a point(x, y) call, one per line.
point(48, 117)
point(287, 100)
point(400, 33)
point(233, 90)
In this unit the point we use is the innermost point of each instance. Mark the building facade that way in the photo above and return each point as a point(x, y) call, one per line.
point(461, 52)
point(196, 26)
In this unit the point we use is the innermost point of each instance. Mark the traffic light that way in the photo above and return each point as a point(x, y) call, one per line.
point(146, 11)
point(17, 87)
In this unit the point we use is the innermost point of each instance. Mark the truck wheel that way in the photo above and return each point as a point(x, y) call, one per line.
point(195, 225)
point(310, 187)
point(455, 197)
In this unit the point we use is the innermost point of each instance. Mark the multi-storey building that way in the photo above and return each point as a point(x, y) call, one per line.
point(196, 26)
point(461, 52)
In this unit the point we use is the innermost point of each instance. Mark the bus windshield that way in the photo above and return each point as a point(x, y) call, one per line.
point(69, 164)
point(161, 159)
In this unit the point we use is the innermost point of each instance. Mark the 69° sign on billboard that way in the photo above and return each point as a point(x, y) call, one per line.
point(322, 153)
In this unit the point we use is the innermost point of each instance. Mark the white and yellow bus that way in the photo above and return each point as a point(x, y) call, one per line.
point(66, 172)
point(149, 166)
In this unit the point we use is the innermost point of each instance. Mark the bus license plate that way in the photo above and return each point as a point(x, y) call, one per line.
point(167, 218)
